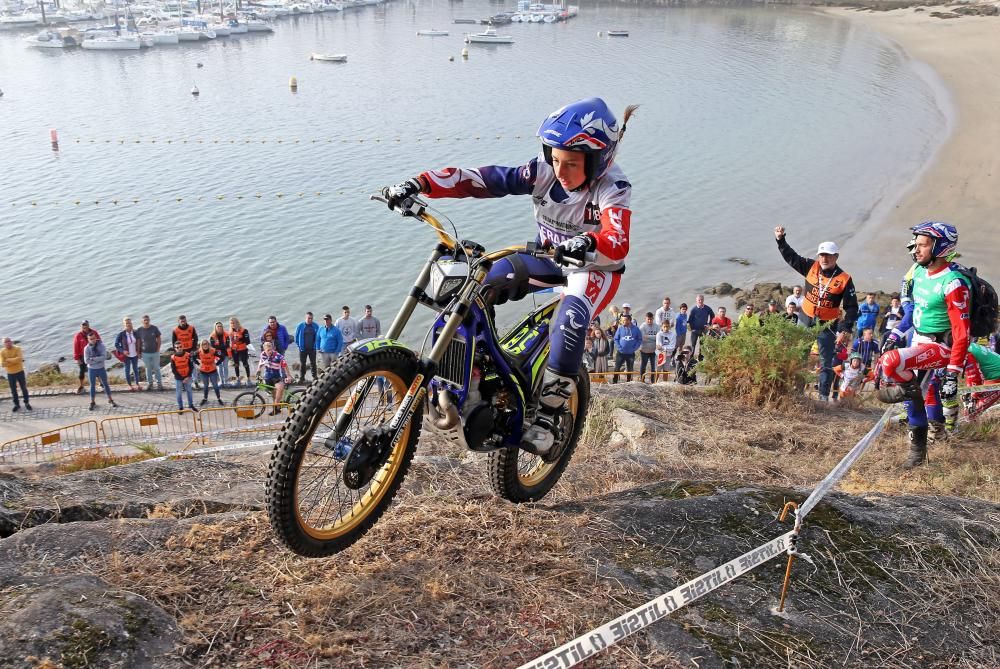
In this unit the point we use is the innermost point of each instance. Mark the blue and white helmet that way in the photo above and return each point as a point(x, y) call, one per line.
point(945, 236)
point(587, 126)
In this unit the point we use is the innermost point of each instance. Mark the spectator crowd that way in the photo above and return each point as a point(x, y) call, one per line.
point(218, 358)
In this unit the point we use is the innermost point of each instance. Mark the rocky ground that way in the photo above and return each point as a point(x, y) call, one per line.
point(171, 563)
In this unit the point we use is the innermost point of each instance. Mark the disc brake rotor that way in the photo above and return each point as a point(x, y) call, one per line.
point(369, 453)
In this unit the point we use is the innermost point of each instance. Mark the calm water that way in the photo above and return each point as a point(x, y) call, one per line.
point(750, 117)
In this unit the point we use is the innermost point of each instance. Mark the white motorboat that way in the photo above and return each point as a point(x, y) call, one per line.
point(112, 43)
point(46, 40)
point(258, 26)
point(329, 57)
point(535, 18)
point(516, 18)
point(161, 36)
point(19, 21)
point(220, 29)
point(488, 36)
point(432, 33)
point(237, 27)
point(549, 18)
point(188, 34)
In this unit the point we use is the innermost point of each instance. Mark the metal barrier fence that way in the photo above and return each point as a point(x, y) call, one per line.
point(608, 377)
point(149, 428)
point(210, 426)
point(231, 424)
point(52, 444)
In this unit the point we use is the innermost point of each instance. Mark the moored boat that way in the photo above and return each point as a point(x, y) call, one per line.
point(432, 33)
point(111, 43)
point(329, 57)
point(46, 40)
point(617, 33)
point(488, 36)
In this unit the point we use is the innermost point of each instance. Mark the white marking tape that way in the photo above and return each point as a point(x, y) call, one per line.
point(591, 643)
point(213, 449)
point(977, 389)
point(837, 473)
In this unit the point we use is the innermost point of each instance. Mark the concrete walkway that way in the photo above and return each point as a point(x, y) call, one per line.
point(56, 407)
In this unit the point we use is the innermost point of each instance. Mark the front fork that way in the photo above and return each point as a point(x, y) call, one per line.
point(427, 365)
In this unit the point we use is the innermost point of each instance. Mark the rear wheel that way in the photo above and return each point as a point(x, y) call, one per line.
point(521, 476)
point(249, 404)
point(323, 493)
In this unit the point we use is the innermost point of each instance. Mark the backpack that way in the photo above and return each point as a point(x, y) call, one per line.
point(984, 308)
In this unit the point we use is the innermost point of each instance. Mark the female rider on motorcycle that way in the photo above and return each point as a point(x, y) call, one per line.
point(581, 201)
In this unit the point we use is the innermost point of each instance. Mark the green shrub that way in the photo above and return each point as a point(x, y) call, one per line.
point(761, 365)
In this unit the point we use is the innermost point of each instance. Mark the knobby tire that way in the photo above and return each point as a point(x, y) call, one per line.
point(520, 476)
point(302, 454)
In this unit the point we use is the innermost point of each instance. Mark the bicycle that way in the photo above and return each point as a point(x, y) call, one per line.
point(251, 404)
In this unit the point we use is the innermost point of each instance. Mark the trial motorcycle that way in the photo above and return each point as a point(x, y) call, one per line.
point(345, 449)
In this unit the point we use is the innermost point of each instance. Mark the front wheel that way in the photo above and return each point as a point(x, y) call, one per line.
point(520, 476)
point(323, 492)
point(249, 404)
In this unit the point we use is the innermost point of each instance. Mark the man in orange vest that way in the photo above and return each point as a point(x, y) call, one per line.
point(187, 337)
point(828, 289)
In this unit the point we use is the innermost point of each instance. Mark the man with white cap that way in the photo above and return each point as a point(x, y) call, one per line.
point(828, 289)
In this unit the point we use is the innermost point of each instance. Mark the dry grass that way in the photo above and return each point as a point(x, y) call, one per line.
point(476, 581)
point(101, 459)
point(800, 443)
point(452, 572)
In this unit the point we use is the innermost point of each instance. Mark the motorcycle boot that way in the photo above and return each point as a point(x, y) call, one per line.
point(556, 389)
point(936, 433)
point(950, 408)
point(918, 447)
point(893, 393)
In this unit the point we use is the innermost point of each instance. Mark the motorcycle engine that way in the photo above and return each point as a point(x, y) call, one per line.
point(484, 410)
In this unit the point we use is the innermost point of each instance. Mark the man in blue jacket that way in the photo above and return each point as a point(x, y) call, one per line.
point(306, 335)
point(628, 339)
point(329, 341)
point(277, 333)
point(868, 313)
point(699, 318)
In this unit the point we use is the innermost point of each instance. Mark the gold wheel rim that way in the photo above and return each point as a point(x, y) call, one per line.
point(536, 470)
point(360, 503)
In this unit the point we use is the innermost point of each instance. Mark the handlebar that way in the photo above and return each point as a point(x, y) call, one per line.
point(413, 206)
point(554, 254)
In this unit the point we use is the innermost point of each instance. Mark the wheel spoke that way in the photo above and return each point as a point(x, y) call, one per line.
point(326, 505)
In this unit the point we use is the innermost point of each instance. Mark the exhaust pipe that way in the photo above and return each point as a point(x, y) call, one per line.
point(447, 413)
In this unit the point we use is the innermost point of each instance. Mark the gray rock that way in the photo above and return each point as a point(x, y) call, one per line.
point(884, 558)
point(49, 367)
point(79, 621)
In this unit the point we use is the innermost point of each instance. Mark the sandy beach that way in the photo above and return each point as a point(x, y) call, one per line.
point(962, 183)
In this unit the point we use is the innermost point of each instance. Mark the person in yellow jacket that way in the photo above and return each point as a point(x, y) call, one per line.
point(13, 364)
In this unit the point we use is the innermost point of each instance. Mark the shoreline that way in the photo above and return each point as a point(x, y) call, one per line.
point(960, 182)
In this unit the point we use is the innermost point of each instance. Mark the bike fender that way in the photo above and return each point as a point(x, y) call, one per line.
point(369, 346)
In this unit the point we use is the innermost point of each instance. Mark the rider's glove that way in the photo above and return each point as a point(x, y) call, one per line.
point(396, 194)
point(949, 385)
point(575, 247)
point(891, 342)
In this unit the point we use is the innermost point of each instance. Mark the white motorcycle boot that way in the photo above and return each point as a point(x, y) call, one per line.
point(556, 389)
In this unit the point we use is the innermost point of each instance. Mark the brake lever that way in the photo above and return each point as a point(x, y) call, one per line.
point(410, 206)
